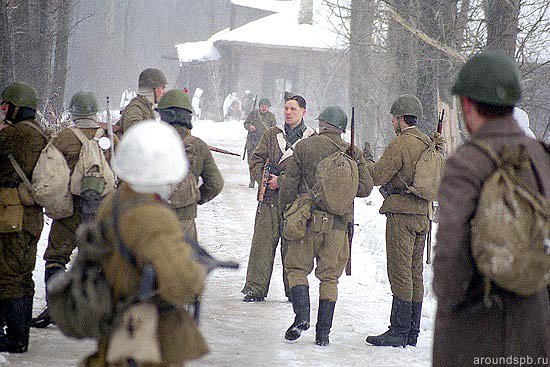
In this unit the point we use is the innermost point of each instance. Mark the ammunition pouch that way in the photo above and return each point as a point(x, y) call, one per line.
point(296, 216)
point(11, 210)
point(321, 222)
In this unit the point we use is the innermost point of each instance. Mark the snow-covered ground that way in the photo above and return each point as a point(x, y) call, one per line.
point(251, 334)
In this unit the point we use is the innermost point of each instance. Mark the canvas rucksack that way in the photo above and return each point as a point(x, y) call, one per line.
point(49, 186)
point(92, 176)
point(511, 227)
point(427, 172)
point(187, 191)
point(336, 182)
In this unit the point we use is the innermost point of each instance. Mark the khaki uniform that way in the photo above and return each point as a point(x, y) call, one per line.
point(262, 122)
point(330, 247)
point(18, 250)
point(514, 326)
point(407, 220)
point(267, 228)
point(139, 109)
point(61, 240)
point(203, 166)
point(153, 234)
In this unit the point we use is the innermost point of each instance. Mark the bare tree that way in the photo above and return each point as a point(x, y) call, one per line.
point(502, 24)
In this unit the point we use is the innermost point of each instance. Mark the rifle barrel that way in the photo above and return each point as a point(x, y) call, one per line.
point(219, 150)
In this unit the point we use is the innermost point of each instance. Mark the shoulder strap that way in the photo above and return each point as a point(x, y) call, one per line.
point(28, 123)
point(80, 135)
point(419, 138)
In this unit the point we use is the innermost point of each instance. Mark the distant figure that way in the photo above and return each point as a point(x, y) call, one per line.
point(196, 103)
point(128, 94)
point(232, 107)
point(185, 90)
point(522, 119)
point(247, 103)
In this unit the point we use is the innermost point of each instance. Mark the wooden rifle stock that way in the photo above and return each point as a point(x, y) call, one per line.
point(264, 182)
point(351, 224)
point(223, 151)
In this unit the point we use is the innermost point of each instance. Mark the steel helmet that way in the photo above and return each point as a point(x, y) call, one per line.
point(175, 98)
point(335, 116)
point(21, 95)
point(83, 103)
point(406, 105)
point(150, 154)
point(151, 78)
point(264, 101)
point(489, 77)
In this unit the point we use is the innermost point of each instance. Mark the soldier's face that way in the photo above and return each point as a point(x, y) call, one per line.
point(293, 113)
point(264, 108)
point(395, 123)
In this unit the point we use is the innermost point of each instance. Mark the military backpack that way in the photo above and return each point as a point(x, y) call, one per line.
point(336, 182)
point(187, 191)
point(511, 227)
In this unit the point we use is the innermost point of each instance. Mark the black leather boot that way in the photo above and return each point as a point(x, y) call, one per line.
point(300, 305)
point(17, 315)
point(325, 314)
point(43, 319)
point(400, 324)
point(415, 323)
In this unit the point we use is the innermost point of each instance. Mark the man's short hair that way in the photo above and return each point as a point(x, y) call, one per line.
point(410, 120)
point(491, 111)
point(301, 100)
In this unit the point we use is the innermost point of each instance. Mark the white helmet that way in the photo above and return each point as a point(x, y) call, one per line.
point(151, 158)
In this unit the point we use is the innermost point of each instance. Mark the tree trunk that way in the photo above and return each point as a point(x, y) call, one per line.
point(6, 71)
point(502, 25)
point(59, 76)
point(361, 27)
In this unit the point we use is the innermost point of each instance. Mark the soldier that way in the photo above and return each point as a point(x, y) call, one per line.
point(61, 240)
point(276, 145)
point(407, 222)
point(151, 86)
point(151, 161)
point(20, 228)
point(488, 86)
point(329, 248)
point(175, 108)
point(257, 122)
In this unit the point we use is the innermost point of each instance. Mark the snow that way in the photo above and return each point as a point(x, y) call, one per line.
point(252, 334)
point(201, 50)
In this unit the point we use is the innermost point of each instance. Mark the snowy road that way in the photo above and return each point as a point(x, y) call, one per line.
point(243, 334)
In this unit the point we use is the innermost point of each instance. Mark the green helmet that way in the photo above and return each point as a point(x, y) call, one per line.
point(175, 98)
point(335, 116)
point(264, 101)
point(21, 95)
point(151, 78)
point(489, 77)
point(83, 103)
point(406, 105)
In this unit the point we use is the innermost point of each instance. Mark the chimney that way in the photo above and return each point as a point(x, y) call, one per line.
point(306, 12)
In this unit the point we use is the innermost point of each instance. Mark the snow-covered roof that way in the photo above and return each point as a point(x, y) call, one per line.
point(279, 29)
point(269, 5)
point(283, 29)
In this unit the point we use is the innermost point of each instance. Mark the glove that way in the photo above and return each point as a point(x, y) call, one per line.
point(439, 142)
point(368, 153)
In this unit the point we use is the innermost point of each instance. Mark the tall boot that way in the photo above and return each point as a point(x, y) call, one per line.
point(17, 315)
point(400, 324)
point(300, 305)
point(415, 323)
point(324, 321)
point(43, 320)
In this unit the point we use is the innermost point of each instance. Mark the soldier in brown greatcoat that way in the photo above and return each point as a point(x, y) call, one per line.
point(175, 108)
point(61, 240)
point(468, 333)
point(276, 145)
point(151, 160)
point(23, 138)
point(257, 122)
point(327, 248)
point(151, 86)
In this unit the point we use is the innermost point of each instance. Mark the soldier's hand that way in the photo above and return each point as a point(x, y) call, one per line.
point(252, 128)
point(439, 141)
point(368, 153)
point(273, 182)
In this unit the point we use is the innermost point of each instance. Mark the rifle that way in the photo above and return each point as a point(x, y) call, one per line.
point(268, 170)
point(351, 224)
point(223, 151)
point(110, 130)
point(253, 108)
point(431, 204)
